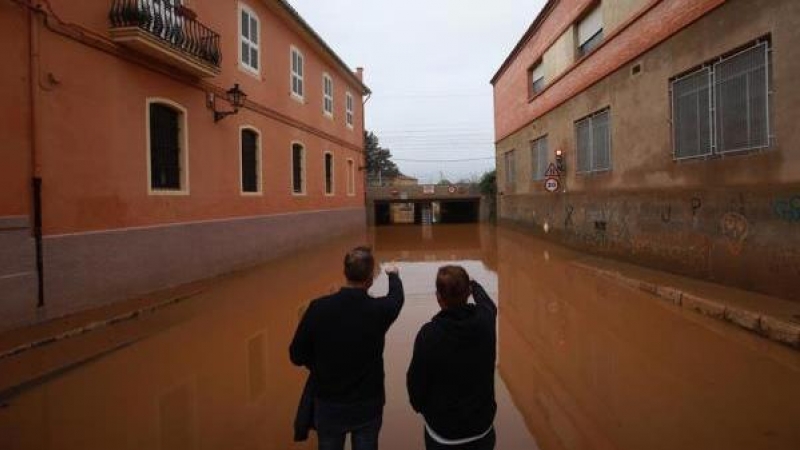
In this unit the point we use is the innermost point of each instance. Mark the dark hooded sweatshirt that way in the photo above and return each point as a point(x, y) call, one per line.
point(451, 377)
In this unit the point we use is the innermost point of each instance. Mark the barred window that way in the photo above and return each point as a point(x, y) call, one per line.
point(539, 158)
point(351, 177)
point(250, 158)
point(249, 39)
point(165, 130)
point(297, 73)
point(298, 169)
point(593, 136)
point(723, 107)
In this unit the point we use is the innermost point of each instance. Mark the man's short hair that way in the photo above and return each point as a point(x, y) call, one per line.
point(452, 284)
point(359, 265)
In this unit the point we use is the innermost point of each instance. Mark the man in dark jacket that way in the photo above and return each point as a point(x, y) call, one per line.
point(340, 339)
point(451, 377)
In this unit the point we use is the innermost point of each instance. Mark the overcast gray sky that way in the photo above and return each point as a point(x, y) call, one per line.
point(428, 63)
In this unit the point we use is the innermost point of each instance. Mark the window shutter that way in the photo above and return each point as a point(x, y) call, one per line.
point(590, 25)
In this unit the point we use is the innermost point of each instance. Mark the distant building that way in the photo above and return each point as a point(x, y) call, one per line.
point(677, 123)
point(109, 106)
point(403, 180)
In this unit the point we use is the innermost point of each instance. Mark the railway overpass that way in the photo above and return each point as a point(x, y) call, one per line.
point(420, 204)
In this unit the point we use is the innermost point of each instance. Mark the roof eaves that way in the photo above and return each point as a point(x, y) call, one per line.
point(308, 28)
point(537, 23)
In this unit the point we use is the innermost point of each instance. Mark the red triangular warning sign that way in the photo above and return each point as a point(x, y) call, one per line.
point(552, 172)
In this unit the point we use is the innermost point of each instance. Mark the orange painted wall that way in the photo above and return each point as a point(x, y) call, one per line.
point(513, 110)
point(94, 129)
point(15, 171)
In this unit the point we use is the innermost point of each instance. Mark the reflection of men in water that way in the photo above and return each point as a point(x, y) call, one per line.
point(340, 339)
point(451, 378)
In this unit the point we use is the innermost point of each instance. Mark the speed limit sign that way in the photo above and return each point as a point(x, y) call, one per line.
point(552, 184)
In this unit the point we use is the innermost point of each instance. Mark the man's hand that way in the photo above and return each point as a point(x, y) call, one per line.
point(391, 269)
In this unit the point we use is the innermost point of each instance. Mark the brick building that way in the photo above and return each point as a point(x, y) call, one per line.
point(119, 113)
point(677, 124)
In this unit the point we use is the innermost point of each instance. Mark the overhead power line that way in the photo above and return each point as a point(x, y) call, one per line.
point(443, 160)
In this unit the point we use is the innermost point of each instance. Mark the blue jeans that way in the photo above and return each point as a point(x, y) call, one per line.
point(364, 437)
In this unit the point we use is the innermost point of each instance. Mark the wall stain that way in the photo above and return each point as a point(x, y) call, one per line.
point(735, 228)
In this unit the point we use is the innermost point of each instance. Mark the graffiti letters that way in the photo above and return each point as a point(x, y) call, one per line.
point(568, 223)
point(788, 209)
point(666, 214)
point(735, 228)
point(697, 203)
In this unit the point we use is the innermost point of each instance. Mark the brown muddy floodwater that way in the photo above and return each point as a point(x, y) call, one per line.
point(584, 363)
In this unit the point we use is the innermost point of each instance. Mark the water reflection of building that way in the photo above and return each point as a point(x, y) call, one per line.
point(435, 243)
point(595, 365)
point(212, 373)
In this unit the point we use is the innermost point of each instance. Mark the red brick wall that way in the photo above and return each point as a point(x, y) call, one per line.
point(662, 19)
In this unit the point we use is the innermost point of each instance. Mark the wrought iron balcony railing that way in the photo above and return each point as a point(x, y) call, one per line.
point(171, 24)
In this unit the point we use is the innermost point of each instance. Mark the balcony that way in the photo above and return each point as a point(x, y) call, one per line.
point(169, 32)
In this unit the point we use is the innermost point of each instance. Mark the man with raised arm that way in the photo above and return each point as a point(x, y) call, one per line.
point(451, 377)
point(340, 339)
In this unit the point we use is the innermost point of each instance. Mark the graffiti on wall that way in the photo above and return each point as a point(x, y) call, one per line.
point(788, 209)
point(735, 227)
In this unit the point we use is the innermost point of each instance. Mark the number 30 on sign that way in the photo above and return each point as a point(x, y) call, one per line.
point(552, 184)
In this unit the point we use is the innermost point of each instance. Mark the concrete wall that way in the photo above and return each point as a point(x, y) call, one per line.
point(727, 218)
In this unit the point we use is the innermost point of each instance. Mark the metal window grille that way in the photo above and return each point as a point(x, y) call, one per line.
point(593, 136)
point(539, 158)
point(249, 161)
point(298, 160)
point(165, 151)
point(742, 96)
point(691, 118)
point(328, 173)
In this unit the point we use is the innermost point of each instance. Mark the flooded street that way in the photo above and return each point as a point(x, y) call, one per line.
point(584, 363)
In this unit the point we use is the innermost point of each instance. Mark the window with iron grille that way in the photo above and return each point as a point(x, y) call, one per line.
point(327, 94)
point(329, 173)
point(536, 75)
point(250, 161)
point(349, 114)
point(351, 177)
point(297, 73)
point(539, 158)
point(165, 147)
point(590, 31)
point(510, 165)
point(723, 107)
point(593, 137)
point(298, 169)
point(249, 39)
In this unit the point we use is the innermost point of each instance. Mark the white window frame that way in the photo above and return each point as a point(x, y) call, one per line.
point(351, 177)
point(593, 169)
point(327, 96)
point(248, 67)
point(184, 139)
point(297, 74)
point(350, 104)
point(325, 174)
point(259, 163)
point(303, 172)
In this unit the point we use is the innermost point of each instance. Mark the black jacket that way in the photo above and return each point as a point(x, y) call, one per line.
point(451, 377)
point(341, 339)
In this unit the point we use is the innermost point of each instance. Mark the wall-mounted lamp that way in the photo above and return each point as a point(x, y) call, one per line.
point(234, 96)
point(561, 165)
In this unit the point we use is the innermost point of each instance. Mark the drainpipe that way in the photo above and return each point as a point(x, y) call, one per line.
point(36, 176)
point(360, 76)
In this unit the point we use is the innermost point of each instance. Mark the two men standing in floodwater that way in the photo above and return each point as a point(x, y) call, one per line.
point(341, 338)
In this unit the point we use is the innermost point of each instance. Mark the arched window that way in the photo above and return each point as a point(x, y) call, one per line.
point(298, 169)
point(167, 147)
point(250, 147)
